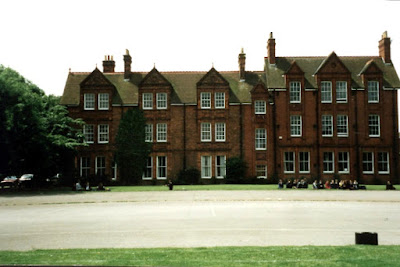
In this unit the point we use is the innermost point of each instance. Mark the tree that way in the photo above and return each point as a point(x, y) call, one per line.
point(235, 170)
point(132, 150)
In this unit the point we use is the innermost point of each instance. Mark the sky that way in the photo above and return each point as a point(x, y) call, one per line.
point(44, 39)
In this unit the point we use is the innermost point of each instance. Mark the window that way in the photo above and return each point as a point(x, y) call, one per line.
point(88, 133)
point(328, 162)
point(295, 125)
point(341, 92)
point(327, 125)
point(374, 125)
point(261, 171)
point(205, 100)
point(114, 171)
point(261, 139)
point(205, 166)
point(100, 166)
point(304, 162)
point(342, 126)
point(220, 167)
point(368, 162)
point(295, 92)
point(103, 134)
point(147, 101)
point(220, 132)
point(219, 100)
point(85, 167)
point(288, 162)
point(161, 101)
point(383, 162)
point(88, 101)
point(205, 132)
point(260, 107)
point(161, 132)
point(148, 130)
point(162, 167)
point(373, 92)
point(148, 171)
point(343, 162)
point(103, 101)
point(326, 92)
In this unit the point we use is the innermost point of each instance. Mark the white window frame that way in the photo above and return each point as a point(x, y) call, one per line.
point(148, 133)
point(89, 101)
point(383, 162)
point(328, 164)
point(295, 126)
point(368, 161)
point(84, 168)
point(101, 168)
point(304, 162)
point(103, 135)
point(260, 107)
point(341, 92)
point(220, 131)
point(326, 92)
point(345, 161)
point(147, 101)
point(295, 92)
point(114, 171)
point(206, 167)
point(205, 132)
point(219, 100)
point(261, 171)
point(88, 133)
point(376, 127)
point(261, 139)
point(160, 167)
point(342, 122)
point(103, 101)
point(373, 92)
point(327, 125)
point(220, 166)
point(162, 102)
point(147, 168)
point(289, 161)
point(205, 100)
point(162, 131)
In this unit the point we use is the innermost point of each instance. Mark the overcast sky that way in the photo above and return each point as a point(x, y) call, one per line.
point(43, 39)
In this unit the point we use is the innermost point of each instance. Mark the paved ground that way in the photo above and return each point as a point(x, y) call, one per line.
point(197, 218)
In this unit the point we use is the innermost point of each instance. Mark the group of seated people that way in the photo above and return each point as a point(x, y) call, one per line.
point(333, 184)
point(78, 187)
point(295, 184)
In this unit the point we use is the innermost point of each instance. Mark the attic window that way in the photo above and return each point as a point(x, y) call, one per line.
point(89, 100)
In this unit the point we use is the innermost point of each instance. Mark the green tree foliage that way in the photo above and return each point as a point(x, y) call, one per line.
point(35, 131)
point(132, 150)
point(235, 170)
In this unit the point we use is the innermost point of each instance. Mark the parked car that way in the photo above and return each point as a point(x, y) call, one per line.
point(10, 181)
point(26, 177)
point(25, 180)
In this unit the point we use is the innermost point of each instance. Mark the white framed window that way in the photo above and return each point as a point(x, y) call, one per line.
point(343, 162)
point(383, 163)
point(261, 139)
point(374, 125)
point(161, 132)
point(85, 167)
point(326, 92)
point(304, 162)
point(206, 167)
point(148, 133)
point(368, 162)
point(205, 100)
point(147, 101)
point(327, 125)
point(89, 101)
point(100, 166)
point(161, 100)
point(342, 126)
point(220, 132)
point(341, 92)
point(220, 166)
point(219, 100)
point(205, 132)
point(103, 101)
point(328, 162)
point(260, 107)
point(295, 92)
point(103, 133)
point(261, 171)
point(161, 167)
point(114, 171)
point(373, 92)
point(88, 133)
point(148, 170)
point(295, 125)
point(288, 162)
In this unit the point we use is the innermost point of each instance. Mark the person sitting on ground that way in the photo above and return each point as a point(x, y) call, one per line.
point(170, 185)
point(280, 184)
point(355, 185)
point(327, 184)
point(315, 185)
point(289, 184)
point(101, 187)
point(88, 187)
point(389, 186)
point(78, 186)
point(320, 185)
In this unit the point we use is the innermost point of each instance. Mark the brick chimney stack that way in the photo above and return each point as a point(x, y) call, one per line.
point(384, 48)
point(108, 64)
point(127, 64)
point(271, 49)
point(242, 65)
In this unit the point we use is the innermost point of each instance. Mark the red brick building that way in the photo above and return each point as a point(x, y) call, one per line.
point(299, 117)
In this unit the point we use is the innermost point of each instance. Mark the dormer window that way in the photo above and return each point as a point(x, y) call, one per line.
point(373, 92)
point(103, 101)
point(260, 107)
point(341, 92)
point(161, 101)
point(147, 101)
point(295, 92)
point(219, 100)
point(89, 101)
point(326, 92)
point(205, 100)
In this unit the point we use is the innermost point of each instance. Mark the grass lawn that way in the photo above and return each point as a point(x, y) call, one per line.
point(357, 255)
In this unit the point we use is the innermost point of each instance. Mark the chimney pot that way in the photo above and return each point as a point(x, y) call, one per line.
point(108, 64)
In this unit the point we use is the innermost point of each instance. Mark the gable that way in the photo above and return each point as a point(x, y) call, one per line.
point(332, 65)
point(259, 89)
point(294, 69)
point(213, 77)
point(371, 68)
point(95, 79)
point(154, 78)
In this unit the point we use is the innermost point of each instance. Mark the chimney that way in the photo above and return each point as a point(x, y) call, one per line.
point(271, 49)
point(127, 69)
point(242, 65)
point(384, 48)
point(108, 64)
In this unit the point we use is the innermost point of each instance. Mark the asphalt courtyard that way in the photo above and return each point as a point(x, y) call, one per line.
point(197, 219)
